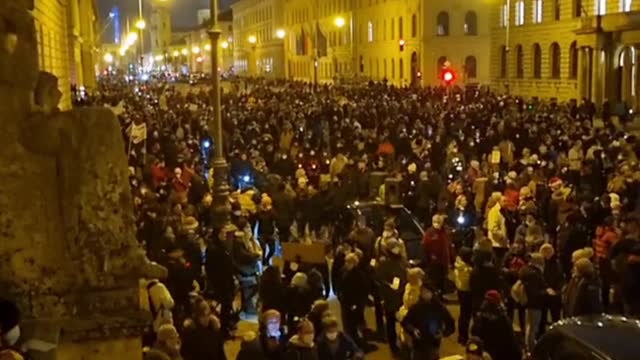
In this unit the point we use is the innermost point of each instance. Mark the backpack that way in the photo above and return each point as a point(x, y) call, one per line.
point(518, 293)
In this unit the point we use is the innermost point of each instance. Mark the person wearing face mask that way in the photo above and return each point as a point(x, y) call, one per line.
point(388, 233)
point(333, 344)
point(202, 338)
point(167, 346)
point(391, 277)
point(9, 330)
point(269, 343)
point(302, 346)
point(353, 296)
point(439, 253)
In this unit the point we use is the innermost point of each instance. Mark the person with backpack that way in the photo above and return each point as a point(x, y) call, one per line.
point(536, 291)
point(514, 261)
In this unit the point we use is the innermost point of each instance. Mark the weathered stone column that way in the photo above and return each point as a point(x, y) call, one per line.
point(583, 80)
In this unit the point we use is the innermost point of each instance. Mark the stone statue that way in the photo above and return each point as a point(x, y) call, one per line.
point(67, 233)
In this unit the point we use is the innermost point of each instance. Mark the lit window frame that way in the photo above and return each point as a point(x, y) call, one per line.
point(520, 13)
point(538, 10)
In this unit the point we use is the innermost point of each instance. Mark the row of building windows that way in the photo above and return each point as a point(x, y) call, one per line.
point(373, 33)
point(600, 7)
point(470, 23)
point(555, 59)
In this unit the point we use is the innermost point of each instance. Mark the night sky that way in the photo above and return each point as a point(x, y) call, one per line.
point(183, 11)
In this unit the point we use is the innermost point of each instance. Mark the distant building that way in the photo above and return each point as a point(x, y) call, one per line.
point(567, 49)
point(67, 42)
point(258, 38)
point(160, 29)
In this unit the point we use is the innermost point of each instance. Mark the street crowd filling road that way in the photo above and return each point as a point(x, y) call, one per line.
point(529, 210)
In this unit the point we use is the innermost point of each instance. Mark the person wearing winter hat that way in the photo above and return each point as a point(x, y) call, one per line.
point(495, 329)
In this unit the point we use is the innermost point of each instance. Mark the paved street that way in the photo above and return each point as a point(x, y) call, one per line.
point(450, 346)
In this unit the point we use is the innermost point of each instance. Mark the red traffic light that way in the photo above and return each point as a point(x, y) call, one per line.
point(448, 76)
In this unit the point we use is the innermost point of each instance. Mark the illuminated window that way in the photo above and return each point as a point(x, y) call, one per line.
point(625, 5)
point(601, 7)
point(370, 31)
point(520, 13)
point(443, 24)
point(537, 11)
point(504, 16)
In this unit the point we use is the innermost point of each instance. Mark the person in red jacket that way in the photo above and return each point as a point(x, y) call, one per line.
point(606, 237)
point(159, 173)
point(439, 253)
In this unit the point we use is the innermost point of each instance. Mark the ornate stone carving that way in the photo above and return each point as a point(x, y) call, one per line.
point(67, 232)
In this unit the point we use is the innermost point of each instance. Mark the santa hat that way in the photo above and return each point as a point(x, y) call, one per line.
point(493, 297)
point(555, 182)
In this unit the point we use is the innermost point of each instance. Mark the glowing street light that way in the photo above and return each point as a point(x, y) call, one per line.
point(108, 58)
point(224, 44)
point(141, 24)
point(195, 50)
point(123, 51)
point(252, 39)
point(176, 53)
point(207, 47)
point(132, 38)
point(339, 21)
point(280, 33)
point(159, 58)
point(184, 52)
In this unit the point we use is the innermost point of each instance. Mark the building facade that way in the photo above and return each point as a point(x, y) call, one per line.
point(568, 49)
point(160, 29)
point(258, 38)
point(402, 41)
point(66, 37)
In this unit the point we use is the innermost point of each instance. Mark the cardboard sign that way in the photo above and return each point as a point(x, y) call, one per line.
point(313, 253)
point(495, 157)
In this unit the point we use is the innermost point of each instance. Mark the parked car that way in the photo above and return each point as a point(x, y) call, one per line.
point(602, 337)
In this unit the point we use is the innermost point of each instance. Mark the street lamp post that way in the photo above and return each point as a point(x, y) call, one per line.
point(140, 24)
point(221, 208)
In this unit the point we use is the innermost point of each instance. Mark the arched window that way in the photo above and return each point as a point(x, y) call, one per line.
point(414, 25)
point(519, 62)
point(471, 23)
point(537, 61)
point(400, 28)
point(573, 61)
point(470, 67)
point(401, 69)
point(443, 24)
point(577, 8)
point(441, 62)
point(503, 61)
point(554, 60)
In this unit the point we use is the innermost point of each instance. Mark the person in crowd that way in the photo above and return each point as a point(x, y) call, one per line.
point(299, 299)
point(463, 268)
point(492, 325)
point(485, 276)
point(334, 344)
point(302, 345)
point(474, 350)
point(555, 280)
point(270, 341)
point(497, 227)
point(319, 310)
point(167, 346)
point(267, 228)
point(427, 322)
point(625, 256)
point(353, 297)
point(605, 239)
point(391, 276)
point(537, 292)
point(9, 330)
point(582, 295)
point(462, 220)
point(273, 292)
point(438, 252)
point(514, 261)
point(363, 238)
point(202, 338)
point(180, 282)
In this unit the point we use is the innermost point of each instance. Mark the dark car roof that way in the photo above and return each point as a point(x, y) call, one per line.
point(610, 336)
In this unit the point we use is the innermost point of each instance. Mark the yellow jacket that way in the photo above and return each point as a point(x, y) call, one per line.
point(496, 227)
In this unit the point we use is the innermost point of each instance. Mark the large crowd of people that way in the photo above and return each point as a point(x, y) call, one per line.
point(529, 210)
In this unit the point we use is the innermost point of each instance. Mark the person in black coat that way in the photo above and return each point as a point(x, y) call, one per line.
point(179, 281)
point(266, 229)
point(202, 338)
point(269, 344)
point(555, 280)
point(284, 211)
point(485, 276)
point(353, 297)
point(492, 325)
point(272, 292)
point(391, 277)
point(301, 346)
point(427, 322)
point(333, 344)
point(220, 269)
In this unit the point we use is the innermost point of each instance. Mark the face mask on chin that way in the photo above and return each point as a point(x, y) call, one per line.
point(437, 226)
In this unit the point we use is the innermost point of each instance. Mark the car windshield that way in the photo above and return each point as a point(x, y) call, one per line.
point(405, 223)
